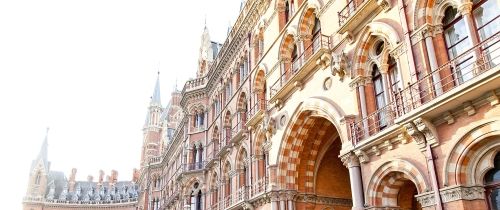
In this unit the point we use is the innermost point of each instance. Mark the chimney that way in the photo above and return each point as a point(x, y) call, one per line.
point(101, 176)
point(114, 176)
point(72, 181)
point(135, 175)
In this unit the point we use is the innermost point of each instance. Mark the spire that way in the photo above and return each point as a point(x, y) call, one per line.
point(156, 99)
point(44, 149)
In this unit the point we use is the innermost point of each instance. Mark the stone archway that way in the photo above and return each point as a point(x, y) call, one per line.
point(309, 162)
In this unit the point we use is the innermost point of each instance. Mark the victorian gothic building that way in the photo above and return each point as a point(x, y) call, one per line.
point(323, 104)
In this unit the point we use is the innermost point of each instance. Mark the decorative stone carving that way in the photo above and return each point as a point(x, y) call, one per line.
point(493, 99)
point(398, 50)
point(247, 206)
point(350, 160)
point(428, 130)
point(340, 65)
point(469, 108)
point(385, 4)
point(324, 60)
point(449, 118)
point(375, 150)
point(426, 199)
point(412, 130)
point(362, 156)
point(269, 125)
point(457, 192)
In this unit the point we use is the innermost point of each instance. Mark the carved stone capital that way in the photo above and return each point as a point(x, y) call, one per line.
point(385, 4)
point(275, 196)
point(465, 8)
point(350, 160)
point(457, 192)
point(426, 199)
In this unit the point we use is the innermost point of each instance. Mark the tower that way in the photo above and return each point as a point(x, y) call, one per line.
point(39, 172)
point(208, 52)
point(152, 126)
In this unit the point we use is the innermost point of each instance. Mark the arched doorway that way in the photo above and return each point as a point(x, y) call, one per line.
point(310, 163)
point(492, 184)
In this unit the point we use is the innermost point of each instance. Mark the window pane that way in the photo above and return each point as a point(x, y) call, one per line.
point(483, 15)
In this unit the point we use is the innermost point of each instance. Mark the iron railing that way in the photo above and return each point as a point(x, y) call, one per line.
point(347, 12)
point(455, 73)
point(291, 69)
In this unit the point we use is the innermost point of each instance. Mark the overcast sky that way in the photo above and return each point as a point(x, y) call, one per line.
point(86, 69)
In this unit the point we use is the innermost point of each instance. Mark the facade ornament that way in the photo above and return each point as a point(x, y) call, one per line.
point(324, 60)
point(64, 193)
point(275, 196)
point(448, 116)
point(398, 50)
point(426, 199)
point(493, 99)
point(247, 206)
point(376, 150)
point(385, 4)
point(462, 193)
point(340, 65)
point(465, 8)
point(469, 108)
point(428, 130)
point(362, 156)
point(417, 136)
point(269, 126)
point(350, 160)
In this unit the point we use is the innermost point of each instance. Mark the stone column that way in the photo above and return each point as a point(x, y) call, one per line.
point(291, 200)
point(466, 11)
point(274, 200)
point(359, 82)
point(352, 163)
point(282, 201)
point(431, 53)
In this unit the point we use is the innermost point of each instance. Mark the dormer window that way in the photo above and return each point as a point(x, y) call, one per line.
point(37, 178)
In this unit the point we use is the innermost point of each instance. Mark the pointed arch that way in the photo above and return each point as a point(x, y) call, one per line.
point(308, 16)
point(368, 37)
point(242, 102)
point(259, 80)
point(288, 42)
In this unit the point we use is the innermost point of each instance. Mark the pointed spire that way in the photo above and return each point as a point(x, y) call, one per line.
point(156, 99)
point(44, 149)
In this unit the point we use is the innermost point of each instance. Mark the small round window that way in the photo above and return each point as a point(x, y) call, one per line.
point(379, 46)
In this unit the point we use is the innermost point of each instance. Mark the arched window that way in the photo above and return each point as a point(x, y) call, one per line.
point(287, 12)
point(492, 185)
point(394, 75)
point(457, 42)
point(295, 61)
point(379, 94)
point(37, 178)
point(316, 33)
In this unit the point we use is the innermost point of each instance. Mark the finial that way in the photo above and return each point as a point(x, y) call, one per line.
point(205, 20)
point(47, 131)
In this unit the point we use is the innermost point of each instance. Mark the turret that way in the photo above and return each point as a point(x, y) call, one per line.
point(152, 126)
point(37, 184)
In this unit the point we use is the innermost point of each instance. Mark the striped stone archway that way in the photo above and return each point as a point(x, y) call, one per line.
point(314, 114)
point(384, 186)
point(458, 165)
point(366, 41)
point(306, 22)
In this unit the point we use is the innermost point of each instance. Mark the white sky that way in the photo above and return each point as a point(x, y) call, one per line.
point(86, 69)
